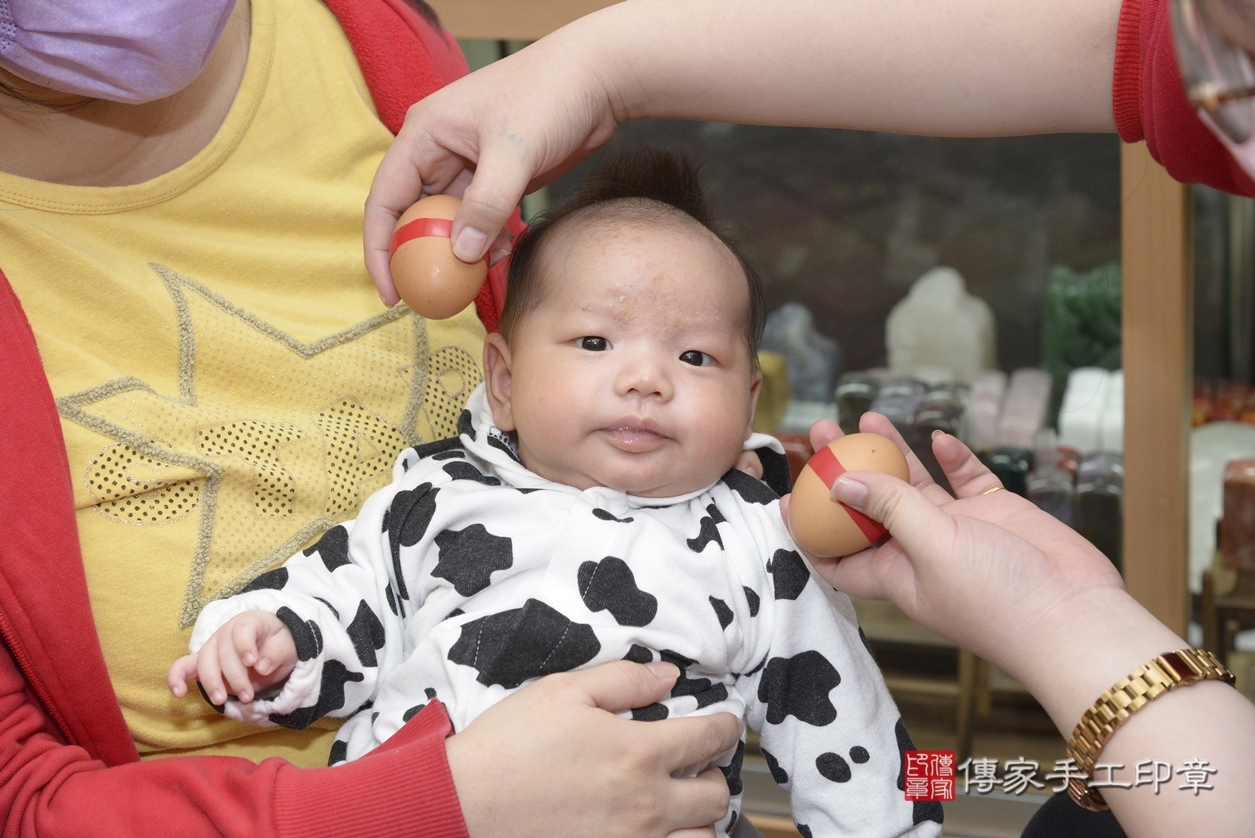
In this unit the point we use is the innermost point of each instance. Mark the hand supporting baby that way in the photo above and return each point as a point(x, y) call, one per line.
point(251, 652)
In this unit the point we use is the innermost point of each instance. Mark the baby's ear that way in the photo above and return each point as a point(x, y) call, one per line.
point(498, 377)
point(756, 387)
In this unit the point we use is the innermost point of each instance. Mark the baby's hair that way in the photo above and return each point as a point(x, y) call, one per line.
point(643, 184)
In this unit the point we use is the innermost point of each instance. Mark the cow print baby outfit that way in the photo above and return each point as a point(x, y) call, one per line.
point(469, 576)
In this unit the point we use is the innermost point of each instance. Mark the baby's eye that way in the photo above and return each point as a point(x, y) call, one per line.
point(594, 344)
point(697, 359)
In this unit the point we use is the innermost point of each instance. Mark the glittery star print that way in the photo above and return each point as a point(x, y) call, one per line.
point(270, 440)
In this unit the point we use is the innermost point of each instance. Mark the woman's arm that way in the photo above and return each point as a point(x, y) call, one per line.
point(967, 67)
point(1006, 580)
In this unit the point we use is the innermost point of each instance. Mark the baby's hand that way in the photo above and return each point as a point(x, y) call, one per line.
point(252, 651)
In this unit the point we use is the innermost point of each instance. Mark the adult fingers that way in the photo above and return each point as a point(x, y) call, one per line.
point(501, 175)
point(702, 799)
point(621, 685)
point(823, 432)
point(915, 522)
point(692, 740)
point(968, 476)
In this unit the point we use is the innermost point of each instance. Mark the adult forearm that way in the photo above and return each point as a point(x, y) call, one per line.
point(961, 67)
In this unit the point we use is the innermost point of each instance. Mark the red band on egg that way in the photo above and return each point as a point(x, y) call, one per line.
point(828, 468)
point(422, 228)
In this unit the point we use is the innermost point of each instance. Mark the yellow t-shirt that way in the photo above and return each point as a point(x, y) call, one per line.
point(228, 381)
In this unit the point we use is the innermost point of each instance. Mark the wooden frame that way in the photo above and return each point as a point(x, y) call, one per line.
point(1158, 360)
point(496, 20)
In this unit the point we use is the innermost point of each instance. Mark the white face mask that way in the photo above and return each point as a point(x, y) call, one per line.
point(134, 51)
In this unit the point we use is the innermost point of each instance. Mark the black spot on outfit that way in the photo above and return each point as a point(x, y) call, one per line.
point(430, 692)
point(272, 580)
point(514, 646)
point(833, 767)
point(306, 634)
point(469, 557)
point(650, 713)
point(332, 548)
point(459, 470)
point(407, 520)
point(750, 488)
point(788, 573)
point(392, 598)
point(609, 585)
point(732, 771)
point(722, 611)
point(456, 612)
point(675, 659)
point(922, 810)
point(495, 440)
point(454, 454)
point(731, 820)
point(440, 449)
point(700, 688)
point(412, 712)
point(330, 697)
point(638, 654)
point(339, 752)
point(804, 830)
point(859, 755)
point(367, 634)
point(606, 516)
point(751, 596)
point(773, 765)
point(464, 423)
point(799, 686)
point(866, 644)
point(709, 530)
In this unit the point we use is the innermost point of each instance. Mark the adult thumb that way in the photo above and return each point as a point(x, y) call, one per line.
point(623, 685)
point(912, 519)
point(489, 200)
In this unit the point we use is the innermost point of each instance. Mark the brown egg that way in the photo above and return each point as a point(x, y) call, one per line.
point(430, 279)
point(820, 525)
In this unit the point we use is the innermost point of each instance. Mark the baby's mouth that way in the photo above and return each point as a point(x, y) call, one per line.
point(636, 435)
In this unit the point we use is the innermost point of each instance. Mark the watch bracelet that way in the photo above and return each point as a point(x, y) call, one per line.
point(1128, 695)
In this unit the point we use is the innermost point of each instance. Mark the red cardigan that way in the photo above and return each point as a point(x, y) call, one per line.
point(67, 763)
point(1150, 104)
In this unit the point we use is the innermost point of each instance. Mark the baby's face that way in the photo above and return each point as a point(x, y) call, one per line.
point(633, 371)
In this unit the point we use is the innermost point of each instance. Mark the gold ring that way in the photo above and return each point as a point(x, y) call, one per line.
point(991, 491)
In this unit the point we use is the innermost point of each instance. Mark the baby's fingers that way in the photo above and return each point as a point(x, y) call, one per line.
point(209, 671)
point(277, 653)
point(181, 671)
point(234, 670)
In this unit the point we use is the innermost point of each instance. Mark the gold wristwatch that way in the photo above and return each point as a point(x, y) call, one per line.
point(1130, 694)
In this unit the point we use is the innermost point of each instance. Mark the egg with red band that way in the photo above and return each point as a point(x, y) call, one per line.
point(430, 279)
point(827, 528)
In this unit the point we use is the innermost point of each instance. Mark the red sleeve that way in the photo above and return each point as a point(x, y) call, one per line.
point(1149, 103)
point(48, 788)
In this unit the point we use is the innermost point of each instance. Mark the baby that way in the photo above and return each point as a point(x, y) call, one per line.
point(587, 512)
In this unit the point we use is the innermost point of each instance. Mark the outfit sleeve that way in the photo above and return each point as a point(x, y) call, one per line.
point(50, 788)
point(1148, 99)
point(830, 732)
point(342, 600)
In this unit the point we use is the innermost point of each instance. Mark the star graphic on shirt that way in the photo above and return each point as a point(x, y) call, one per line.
point(282, 439)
